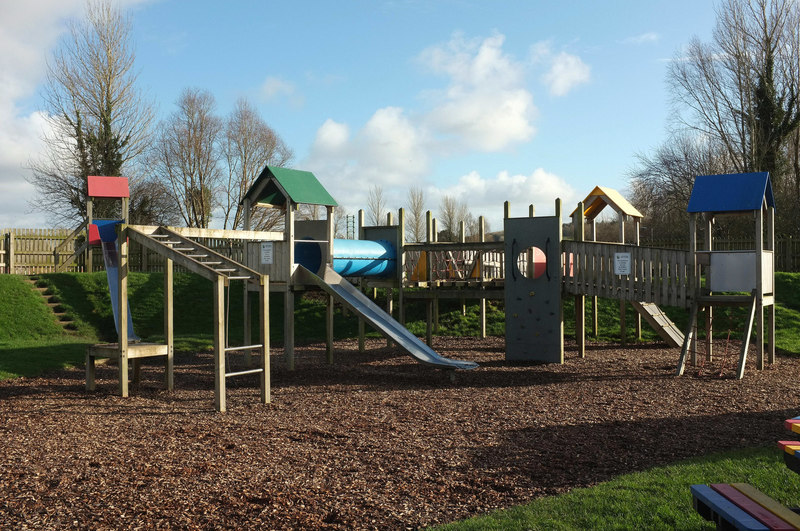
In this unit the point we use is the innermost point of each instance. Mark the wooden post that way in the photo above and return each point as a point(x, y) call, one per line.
point(462, 237)
point(329, 330)
point(593, 237)
point(361, 323)
point(330, 309)
point(429, 238)
point(401, 265)
point(770, 243)
point(759, 256)
point(709, 309)
point(482, 237)
point(89, 221)
point(169, 330)
point(634, 271)
point(219, 343)
point(263, 319)
point(580, 300)
point(122, 311)
point(623, 329)
point(691, 335)
point(10, 250)
point(288, 321)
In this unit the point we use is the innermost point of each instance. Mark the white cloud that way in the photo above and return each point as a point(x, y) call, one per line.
point(486, 105)
point(643, 38)
point(274, 88)
point(486, 196)
point(566, 72)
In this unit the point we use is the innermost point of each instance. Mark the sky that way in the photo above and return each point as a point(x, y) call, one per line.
point(485, 101)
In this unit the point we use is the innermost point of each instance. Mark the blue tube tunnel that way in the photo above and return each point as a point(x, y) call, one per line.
point(351, 258)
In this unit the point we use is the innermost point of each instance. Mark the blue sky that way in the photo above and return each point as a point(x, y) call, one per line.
point(487, 101)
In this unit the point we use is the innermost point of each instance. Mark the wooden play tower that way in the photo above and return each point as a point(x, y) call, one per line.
point(733, 278)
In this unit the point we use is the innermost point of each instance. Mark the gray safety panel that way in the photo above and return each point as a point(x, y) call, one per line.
point(534, 324)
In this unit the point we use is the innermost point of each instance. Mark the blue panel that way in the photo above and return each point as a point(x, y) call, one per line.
point(726, 509)
point(107, 229)
point(735, 192)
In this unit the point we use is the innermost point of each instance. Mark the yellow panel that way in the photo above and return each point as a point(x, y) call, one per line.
point(768, 503)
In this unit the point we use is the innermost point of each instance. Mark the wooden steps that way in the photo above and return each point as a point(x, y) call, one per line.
point(54, 304)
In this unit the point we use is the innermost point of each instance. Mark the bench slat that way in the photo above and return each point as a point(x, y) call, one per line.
point(792, 424)
point(768, 503)
point(726, 509)
point(758, 512)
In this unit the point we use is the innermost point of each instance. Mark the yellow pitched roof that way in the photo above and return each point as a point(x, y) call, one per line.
point(601, 196)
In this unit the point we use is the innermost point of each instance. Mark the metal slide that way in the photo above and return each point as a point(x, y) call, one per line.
point(334, 284)
point(111, 260)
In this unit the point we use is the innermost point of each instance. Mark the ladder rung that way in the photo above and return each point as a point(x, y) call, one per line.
point(197, 256)
point(183, 249)
point(170, 242)
point(159, 235)
point(211, 263)
point(239, 278)
point(245, 347)
point(242, 373)
point(225, 269)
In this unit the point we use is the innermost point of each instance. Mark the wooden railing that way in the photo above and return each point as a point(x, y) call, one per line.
point(662, 276)
point(454, 261)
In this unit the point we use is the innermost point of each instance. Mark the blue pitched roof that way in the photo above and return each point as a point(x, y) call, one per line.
point(734, 192)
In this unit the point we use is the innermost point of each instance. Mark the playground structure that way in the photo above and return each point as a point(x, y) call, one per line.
point(532, 270)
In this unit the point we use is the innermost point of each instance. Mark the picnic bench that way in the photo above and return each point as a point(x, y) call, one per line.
point(742, 506)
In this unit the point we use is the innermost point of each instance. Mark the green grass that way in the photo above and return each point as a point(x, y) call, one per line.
point(658, 498)
point(31, 341)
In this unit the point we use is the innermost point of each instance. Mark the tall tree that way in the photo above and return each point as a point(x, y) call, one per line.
point(415, 219)
point(452, 213)
point(249, 144)
point(742, 89)
point(99, 122)
point(187, 154)
point(376, 206)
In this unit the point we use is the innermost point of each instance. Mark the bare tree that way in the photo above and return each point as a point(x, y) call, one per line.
point(415, 220)
point(186, 156)
point(742, 88)
point(451, 213)
point(249, 145)
point(376, 206)
point(98, 119)
point(340, 215)
point(663, 181)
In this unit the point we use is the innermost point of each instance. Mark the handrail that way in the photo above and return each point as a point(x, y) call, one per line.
point(57, 251)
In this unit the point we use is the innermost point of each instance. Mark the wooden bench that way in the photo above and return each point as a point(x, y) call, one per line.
point(742, 506)
point(136, 351)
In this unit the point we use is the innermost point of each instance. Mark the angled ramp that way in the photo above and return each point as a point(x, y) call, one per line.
point(662, 324)
point(341, 289)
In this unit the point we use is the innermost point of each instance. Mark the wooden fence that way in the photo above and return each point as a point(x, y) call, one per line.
point(628, 272)
point(31, 252)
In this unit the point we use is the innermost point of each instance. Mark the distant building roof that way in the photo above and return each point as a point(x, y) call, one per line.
point(734, 192)
point(601, 197)
point(274, 185)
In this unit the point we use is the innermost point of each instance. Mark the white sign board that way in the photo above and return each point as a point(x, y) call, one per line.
point(266, 253)
point(622, 263)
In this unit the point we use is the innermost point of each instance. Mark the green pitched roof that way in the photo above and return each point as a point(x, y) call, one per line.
point(275, 184)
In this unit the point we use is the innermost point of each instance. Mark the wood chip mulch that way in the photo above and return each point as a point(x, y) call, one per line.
point(373, 441)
